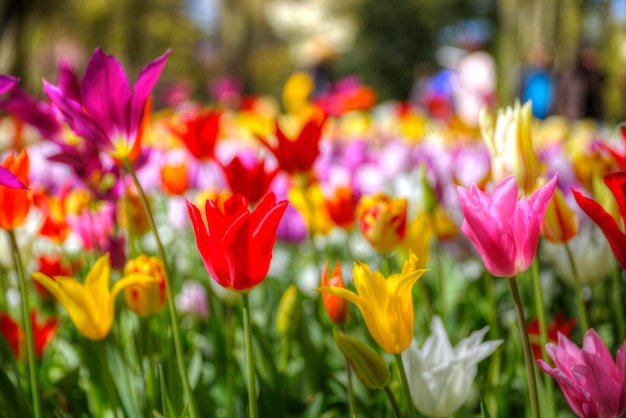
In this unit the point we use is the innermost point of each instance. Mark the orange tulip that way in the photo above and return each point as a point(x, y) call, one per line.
point(382, 220)
point(336, 306)
point(174, 178)
point(342, 207)
point(145, 298)
point(15, 202)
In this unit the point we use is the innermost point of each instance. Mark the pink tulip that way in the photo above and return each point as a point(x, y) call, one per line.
point(504, 230)
point(593, 384)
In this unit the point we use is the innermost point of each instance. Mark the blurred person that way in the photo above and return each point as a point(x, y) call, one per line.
point(476, 86)
point(537, 82)
point(579, 90)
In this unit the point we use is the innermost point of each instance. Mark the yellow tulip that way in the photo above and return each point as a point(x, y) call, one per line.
point(91, 305)
point(311, 204)
point(510, 145)
point(382, 220)
point(419, 235)
point(560, 222)
point(386, 304)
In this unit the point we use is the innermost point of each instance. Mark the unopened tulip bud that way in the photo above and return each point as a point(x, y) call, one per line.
point(382, 220)
point(145, 298)
point(560, 223)
point(287, 317)
point(430, 197)
point(368, 365)
point(337, 307)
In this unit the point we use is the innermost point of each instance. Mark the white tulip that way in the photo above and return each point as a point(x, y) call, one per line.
point(440, 376)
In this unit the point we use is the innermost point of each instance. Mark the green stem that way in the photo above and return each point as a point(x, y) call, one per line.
point(405, 385)
point(619, 305)
point(528, 355)
point(543, 336)
point(146, 343)
point(441, 286)
point(582, 309)
point(351, 407)
point(178, 348)
point(247, 329)
point(106, 375)
point(230, 376)
point(385, 265)
point(392, 400)
point(284, 355)
point(28, 326)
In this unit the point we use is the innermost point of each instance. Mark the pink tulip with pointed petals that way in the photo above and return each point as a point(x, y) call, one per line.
point(505, 231)
point(593, 384)
point(6, 82)
point(108, 113)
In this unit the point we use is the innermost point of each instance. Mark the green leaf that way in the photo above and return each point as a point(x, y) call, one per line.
point(11, 396)
point(123, 381)
point(168, 411)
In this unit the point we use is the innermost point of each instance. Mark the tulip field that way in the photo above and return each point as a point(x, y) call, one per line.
point(304, 257)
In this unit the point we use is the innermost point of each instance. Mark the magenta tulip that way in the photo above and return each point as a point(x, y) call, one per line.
point(6, 82)
point(593, 384)
point(504, 230)
point(108, 112)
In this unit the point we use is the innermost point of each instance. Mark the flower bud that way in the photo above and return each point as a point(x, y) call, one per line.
point(560, 223)
point(341, 207)
point(368, 365)
point(382, 220)
point(145, 298)
point(174, 178)
point(131, 207)
point(337, 307)
point(287, 316)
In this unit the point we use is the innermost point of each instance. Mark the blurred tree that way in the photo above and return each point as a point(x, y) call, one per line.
point(397, 36)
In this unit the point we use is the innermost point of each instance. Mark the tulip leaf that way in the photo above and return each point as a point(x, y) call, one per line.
point(195, 368)
point(11, 396)
point(123, 382)
point(315, 407)
point(168, 411)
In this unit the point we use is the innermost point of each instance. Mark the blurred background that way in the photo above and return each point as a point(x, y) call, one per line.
point(396, 47)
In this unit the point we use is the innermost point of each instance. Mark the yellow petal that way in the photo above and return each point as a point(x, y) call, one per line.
point(343, 293)
point(97, 282)
point(371, 286)
point(77, 302)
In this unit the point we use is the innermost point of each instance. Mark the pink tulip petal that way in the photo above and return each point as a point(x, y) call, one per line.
point(105, 93)
point(143, 87)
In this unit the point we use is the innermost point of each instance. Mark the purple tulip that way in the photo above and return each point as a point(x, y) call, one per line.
point(593, 384)
point(6, 82)
point(108, 113)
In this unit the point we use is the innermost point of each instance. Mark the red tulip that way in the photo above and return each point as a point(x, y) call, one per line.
point(251, 180)
point(298, 155)
point(237, 246)
point(42, 333)
point(199, 133)
point(336, 306)
point(613, 233)
point(15, 202)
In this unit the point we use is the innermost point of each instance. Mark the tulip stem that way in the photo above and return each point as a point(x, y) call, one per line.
point(405, 385)
point(230, 382)
point(247, 329)
point(582, 309)
point(440, 280)
point(178, 348)
point(543, 335)
point(351, 408)
point(528, 355)
point(28, 326)
point(619, 304)
point(392, 400)
point(106, 375)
